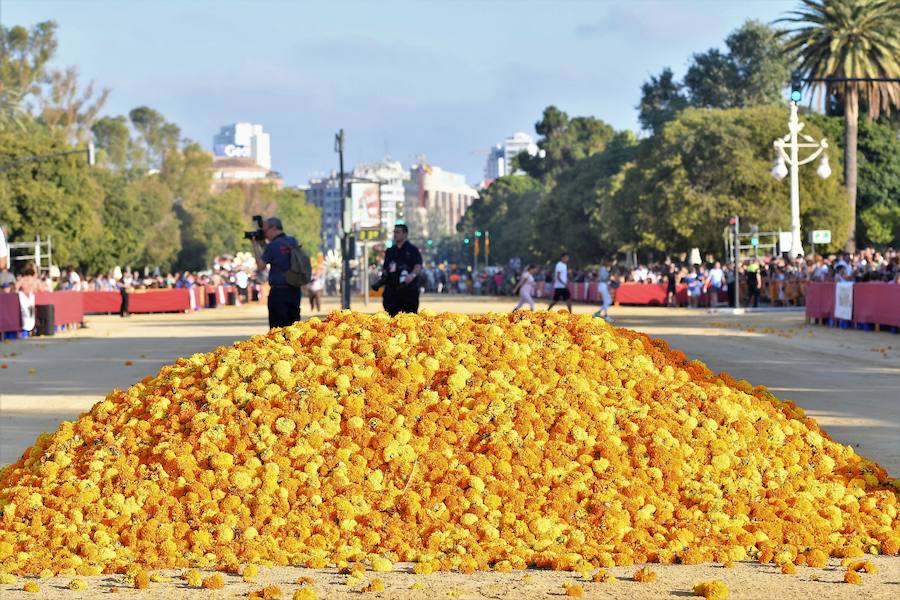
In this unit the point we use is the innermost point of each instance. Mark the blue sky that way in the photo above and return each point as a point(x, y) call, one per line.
point(442, 78)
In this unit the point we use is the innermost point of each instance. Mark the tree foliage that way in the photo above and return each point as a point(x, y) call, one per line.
point(754, 71)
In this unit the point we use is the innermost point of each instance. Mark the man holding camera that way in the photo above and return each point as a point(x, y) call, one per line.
point(274, 249)
point(400, 274)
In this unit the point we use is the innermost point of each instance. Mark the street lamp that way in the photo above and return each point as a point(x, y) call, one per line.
point(788, 151)
point(345, 226)
point(89, 154)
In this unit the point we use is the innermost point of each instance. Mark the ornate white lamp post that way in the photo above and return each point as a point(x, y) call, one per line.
point(788, 149)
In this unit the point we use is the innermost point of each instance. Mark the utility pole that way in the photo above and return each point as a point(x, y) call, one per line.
point(345, 234)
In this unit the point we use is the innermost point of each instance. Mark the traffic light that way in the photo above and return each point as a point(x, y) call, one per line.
point(796, 87)
point(465, 240)
point(429, 241)
point(477, 234)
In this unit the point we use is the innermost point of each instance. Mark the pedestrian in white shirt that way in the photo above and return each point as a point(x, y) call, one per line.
point(603, 290)
point(561, 282)
point(525, 287)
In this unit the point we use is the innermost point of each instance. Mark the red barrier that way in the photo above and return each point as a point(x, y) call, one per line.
point(156, 301)
point(68, 307)
point(101, 302)
point(820, 300)
point(10, 313)
point(876, 303)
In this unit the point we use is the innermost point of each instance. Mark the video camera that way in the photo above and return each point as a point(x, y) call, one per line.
point(259, 234)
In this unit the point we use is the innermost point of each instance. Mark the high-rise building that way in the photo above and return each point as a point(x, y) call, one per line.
point(375, 198)
point(500, 157)
point(324, 192)
point(244, 140)
point(436, 200)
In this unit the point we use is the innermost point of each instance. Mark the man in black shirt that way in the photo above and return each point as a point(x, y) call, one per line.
point(402, 266)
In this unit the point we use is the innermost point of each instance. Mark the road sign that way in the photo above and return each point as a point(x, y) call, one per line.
point(369, 234)
point(821, 236)
point(785, 241)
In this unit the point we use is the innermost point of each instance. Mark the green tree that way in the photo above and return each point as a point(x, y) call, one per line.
point(852, 39)
point(300, 219)
point(661, 100)
point(565, 141)
point(113, 141)
point(753, 71)
point(575, 206)
point(506, 209)
point(63, 104)
point(155, 135)
point(56, 197)
point(706, 165)
point(24, 55)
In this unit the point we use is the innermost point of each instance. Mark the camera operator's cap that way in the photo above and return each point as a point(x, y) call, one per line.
point(274, 222)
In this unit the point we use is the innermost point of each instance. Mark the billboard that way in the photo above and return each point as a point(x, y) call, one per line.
point(365, 205)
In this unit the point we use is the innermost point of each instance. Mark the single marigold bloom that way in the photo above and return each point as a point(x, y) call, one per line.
point(644, 575)
point(573, 589)
point(376, 585)
point(711, 590)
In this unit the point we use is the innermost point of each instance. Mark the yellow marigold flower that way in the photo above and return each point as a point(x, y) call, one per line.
point(31, 587)
point(852, 577)
point(376, 585)
point(573, 589)
point(305, 593)
point(644, 575)
point(77, 584)
point(711, 590)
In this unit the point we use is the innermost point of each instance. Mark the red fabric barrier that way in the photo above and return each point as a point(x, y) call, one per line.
point(875, 303)
point(68, 307)
point(641, 293)
point(820, 300)
point(101, 302)
point(155, 301)
point(10, 314)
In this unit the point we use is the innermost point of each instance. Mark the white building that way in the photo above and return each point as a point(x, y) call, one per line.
point(500, 158)
point(391, 178)
point(436, 200)
point(244, 140)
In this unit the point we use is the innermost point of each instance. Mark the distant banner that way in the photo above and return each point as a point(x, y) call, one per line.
point(843, 300)
point(366, 204)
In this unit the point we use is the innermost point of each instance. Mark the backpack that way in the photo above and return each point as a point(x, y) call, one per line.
point(300, 273)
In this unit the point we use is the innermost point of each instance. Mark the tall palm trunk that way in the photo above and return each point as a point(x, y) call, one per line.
point(851, 126)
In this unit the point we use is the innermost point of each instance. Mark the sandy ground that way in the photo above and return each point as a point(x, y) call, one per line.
point(847, 380)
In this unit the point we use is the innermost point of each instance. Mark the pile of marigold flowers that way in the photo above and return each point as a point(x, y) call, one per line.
point(497, 441)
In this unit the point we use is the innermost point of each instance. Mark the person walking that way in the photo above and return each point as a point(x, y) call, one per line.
point(315, 288)
point(603, 290)
point(671, 285)
point(714, 283)
point(561, 282)
point(525, 288)
point(754, 284)
point(274, 253)
point(401, 270)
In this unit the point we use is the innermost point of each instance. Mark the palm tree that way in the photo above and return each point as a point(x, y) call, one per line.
point(857, 39)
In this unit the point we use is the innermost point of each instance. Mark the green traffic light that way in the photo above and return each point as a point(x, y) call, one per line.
point(796, 96)
point(465, 240)
point(477, 234)
point(429, 242)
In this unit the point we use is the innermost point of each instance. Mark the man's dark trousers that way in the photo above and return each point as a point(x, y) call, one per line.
point(284, 305)
point(402, 299)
